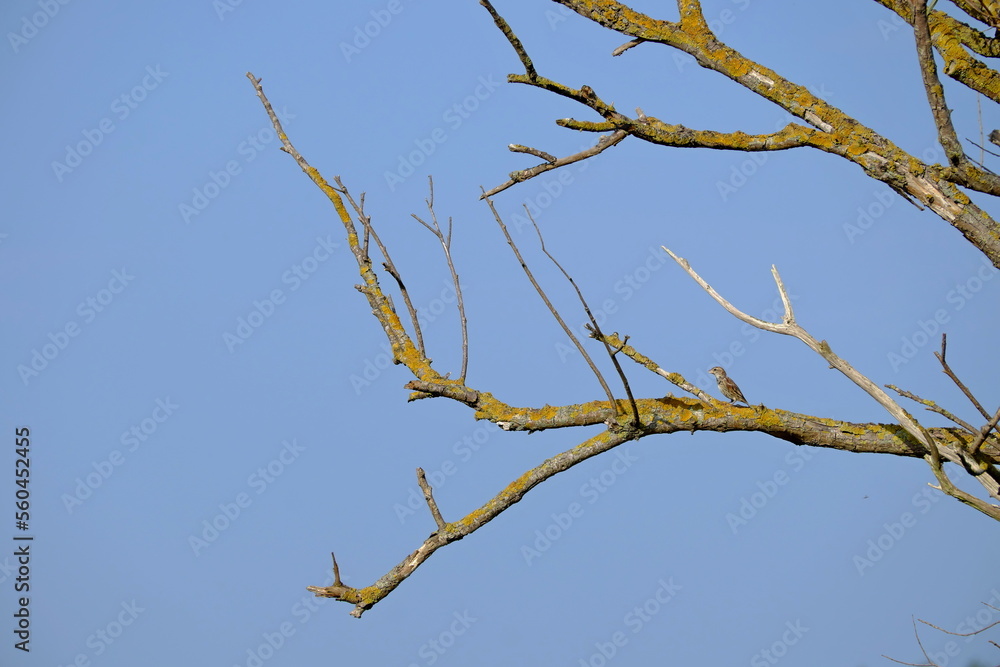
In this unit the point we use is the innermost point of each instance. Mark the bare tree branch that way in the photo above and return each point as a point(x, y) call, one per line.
point(552, 309)
point(367, 597)
point(429, 497)
point(445, 240)
point(832, 130)
point(595, 327)
point(947, 136)
point(390, 268)
point(789, 327)
point(551, 163)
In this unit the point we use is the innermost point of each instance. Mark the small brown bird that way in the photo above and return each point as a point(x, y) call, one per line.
point(727, 386)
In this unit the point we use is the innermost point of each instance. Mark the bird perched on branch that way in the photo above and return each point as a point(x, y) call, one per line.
point(727, 386)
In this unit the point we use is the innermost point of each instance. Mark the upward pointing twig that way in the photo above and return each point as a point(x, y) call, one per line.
point(552, 309)
point(445, 240)
point(593, 322)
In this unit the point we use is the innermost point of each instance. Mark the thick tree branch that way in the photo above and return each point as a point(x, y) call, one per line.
point(656, 415)
point(832, 130)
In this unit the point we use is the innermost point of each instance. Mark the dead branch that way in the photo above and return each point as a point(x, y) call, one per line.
point(831, 130)
point(552, 309)
point(445, 240)
point(388, 264)
point(367, 597)
point(429, 498)
point(551, 163)
point(789, 327)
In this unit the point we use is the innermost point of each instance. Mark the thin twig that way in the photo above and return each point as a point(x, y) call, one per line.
point(946, 369)
point(429, 497)
point(336, 571)
point(605, 142)
point(593, 322)
point(981, 438)
point(934, 407)
point(552, 309)
point(388, 264)
point(445, 240)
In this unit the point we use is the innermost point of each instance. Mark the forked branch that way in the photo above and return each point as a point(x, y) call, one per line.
point(789, 327)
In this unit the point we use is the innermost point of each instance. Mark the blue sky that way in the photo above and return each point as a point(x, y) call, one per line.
point(211, 407)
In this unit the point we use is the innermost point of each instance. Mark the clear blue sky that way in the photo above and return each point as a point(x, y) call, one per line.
point(202, 359)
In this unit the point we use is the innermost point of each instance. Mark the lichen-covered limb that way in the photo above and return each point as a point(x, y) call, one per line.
point(367, 597)
point(666, 415)
point(829, 129)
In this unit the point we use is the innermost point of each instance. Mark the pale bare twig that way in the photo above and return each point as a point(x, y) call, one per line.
point(984, 432)
point(518, 148)
point(445, 240)
point(789, 327)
